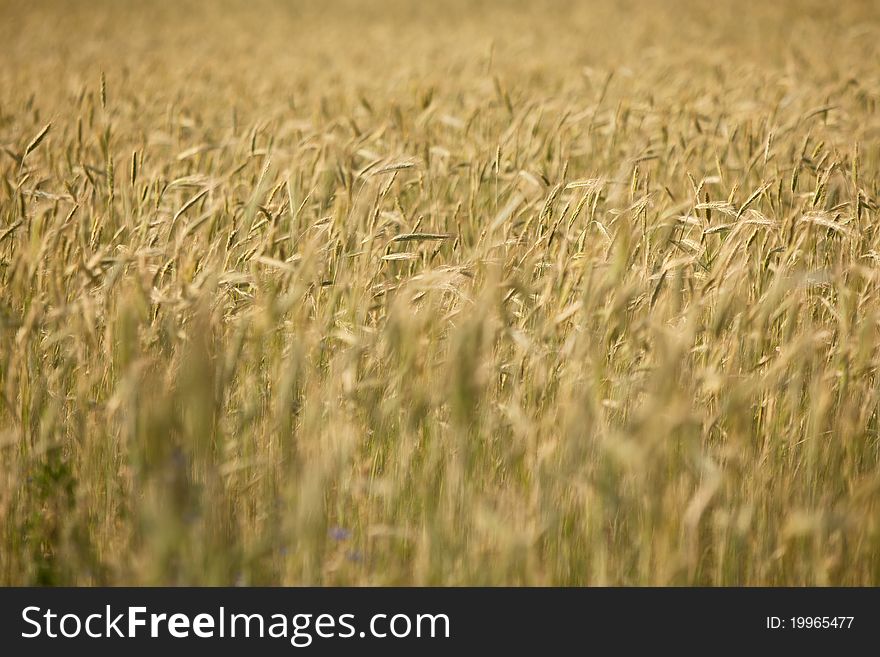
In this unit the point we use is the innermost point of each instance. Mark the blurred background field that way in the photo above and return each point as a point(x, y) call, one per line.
point(459, 293)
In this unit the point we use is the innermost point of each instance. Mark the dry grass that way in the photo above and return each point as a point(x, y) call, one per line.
point(485, 293)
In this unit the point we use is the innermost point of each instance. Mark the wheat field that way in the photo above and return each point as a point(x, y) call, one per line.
point(481, 293)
